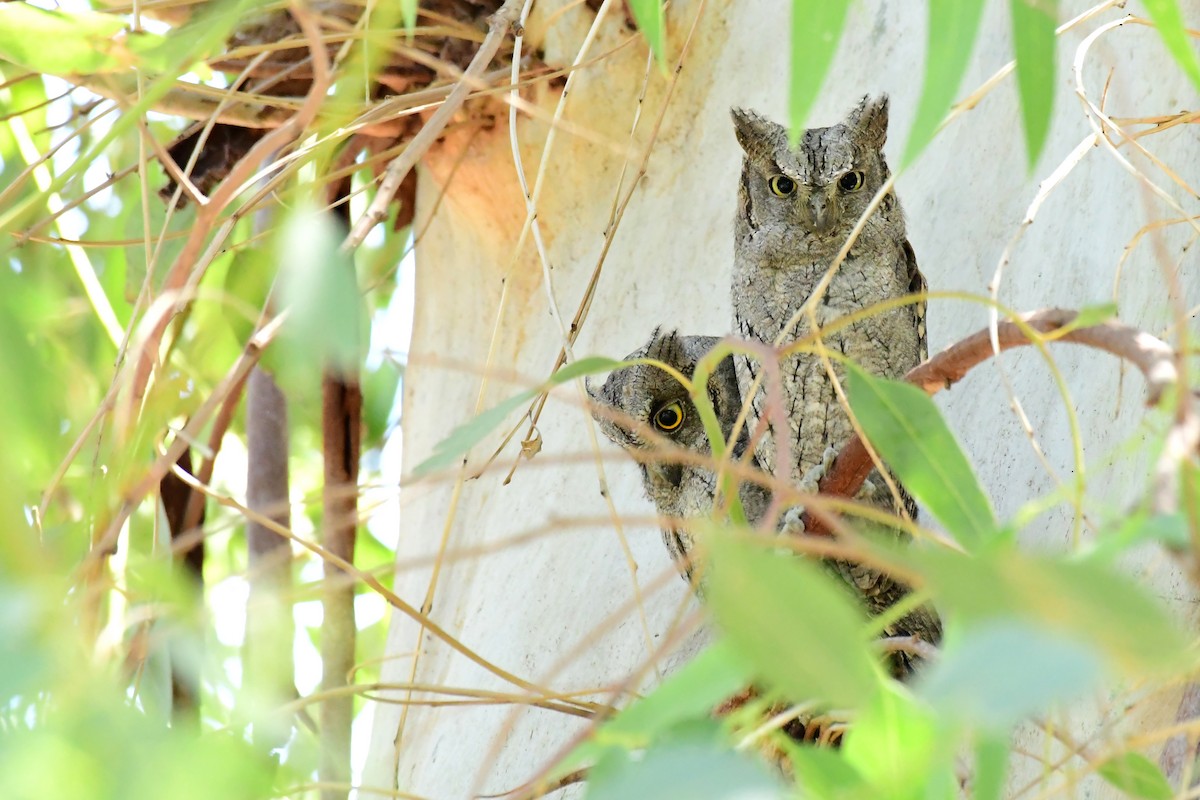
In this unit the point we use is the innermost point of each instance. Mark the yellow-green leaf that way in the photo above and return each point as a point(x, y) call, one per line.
point(1169, 22)
point(1084, 598)
point(691, 693)
point(76, 43)
point(1136, 776)
point(799, 626)
point(897, 744)
point(472, 432)
point(1033, 24)
point(816, 29)
point(906, 428)
point(648, 14)
point(953, 26)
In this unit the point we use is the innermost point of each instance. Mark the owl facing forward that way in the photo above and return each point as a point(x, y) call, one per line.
point(796, 209)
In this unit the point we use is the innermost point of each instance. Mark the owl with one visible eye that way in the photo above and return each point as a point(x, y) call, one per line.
point(641, 407)
point(647, 395)
point(796, 209)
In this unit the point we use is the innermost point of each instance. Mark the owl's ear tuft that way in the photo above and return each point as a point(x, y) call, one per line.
point(870, 119)
point(664, 346)
point(757, 135)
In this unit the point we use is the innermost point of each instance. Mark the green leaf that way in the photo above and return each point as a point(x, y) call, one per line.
point(1170, 530)
point(691, 693)
point(1137, 776)
point(1033, 23)
point(247, 284)
point(953, 26)
point(648, 14)
point(319, 285)
point(816, 29)
point(470, 433)
point(1082, 598)
point(897, 746)
point(1001, 672)
point(1169, 22)
point(408, 12)
point(379, 398)
point(687, 771)
point(902, 422)
point(1087, 317)
point(84, 42)
point(991, 766)
point(799, 626)
point(825, 774)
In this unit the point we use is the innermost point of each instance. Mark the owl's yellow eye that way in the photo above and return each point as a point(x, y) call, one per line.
point(669, 417)
point(851, 181)
point(781, 186)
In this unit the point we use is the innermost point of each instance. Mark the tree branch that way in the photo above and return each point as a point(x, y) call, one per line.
point(1154, 357)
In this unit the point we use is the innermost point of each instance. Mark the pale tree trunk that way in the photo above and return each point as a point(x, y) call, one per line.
point(566, 609)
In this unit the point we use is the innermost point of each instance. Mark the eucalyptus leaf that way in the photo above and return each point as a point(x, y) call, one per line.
point(816, 30)
point(1034, 23)
point(1084, 598)
point(84, 42)
point(903, 423)
point(1169, 21)
point(1087, 317)
point(953, 28)
point(648, 14)
point(691, 693)
point(1136, 776)
point(897, 745)
point(1003, 671)
point(824, 774)
point(465, 436)
point(408, 12)
point(687, 771)
point(799, 626)
point(319, 286)
point(991, 766)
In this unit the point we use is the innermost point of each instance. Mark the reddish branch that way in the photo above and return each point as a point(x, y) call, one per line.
point(1151, 355)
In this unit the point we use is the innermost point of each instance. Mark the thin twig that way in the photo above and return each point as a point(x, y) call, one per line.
point(498, 26)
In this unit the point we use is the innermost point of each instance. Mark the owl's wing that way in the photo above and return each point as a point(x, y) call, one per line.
point(917, 283)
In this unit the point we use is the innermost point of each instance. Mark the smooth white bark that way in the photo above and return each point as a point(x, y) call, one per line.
point(547, 609)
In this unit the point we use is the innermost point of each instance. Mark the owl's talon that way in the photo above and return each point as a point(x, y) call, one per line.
point(810, 483)
point(826, 730)
point(868, 489)
point(793, 522)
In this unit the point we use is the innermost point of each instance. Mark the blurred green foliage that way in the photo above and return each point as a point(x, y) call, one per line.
point(83, 693)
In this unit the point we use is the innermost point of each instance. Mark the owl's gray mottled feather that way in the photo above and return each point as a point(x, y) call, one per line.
point(625, 407)
point(784, 244)
point(635, 394)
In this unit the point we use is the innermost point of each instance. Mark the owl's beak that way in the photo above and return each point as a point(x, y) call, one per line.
point(670, 474)
point(821, 213)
